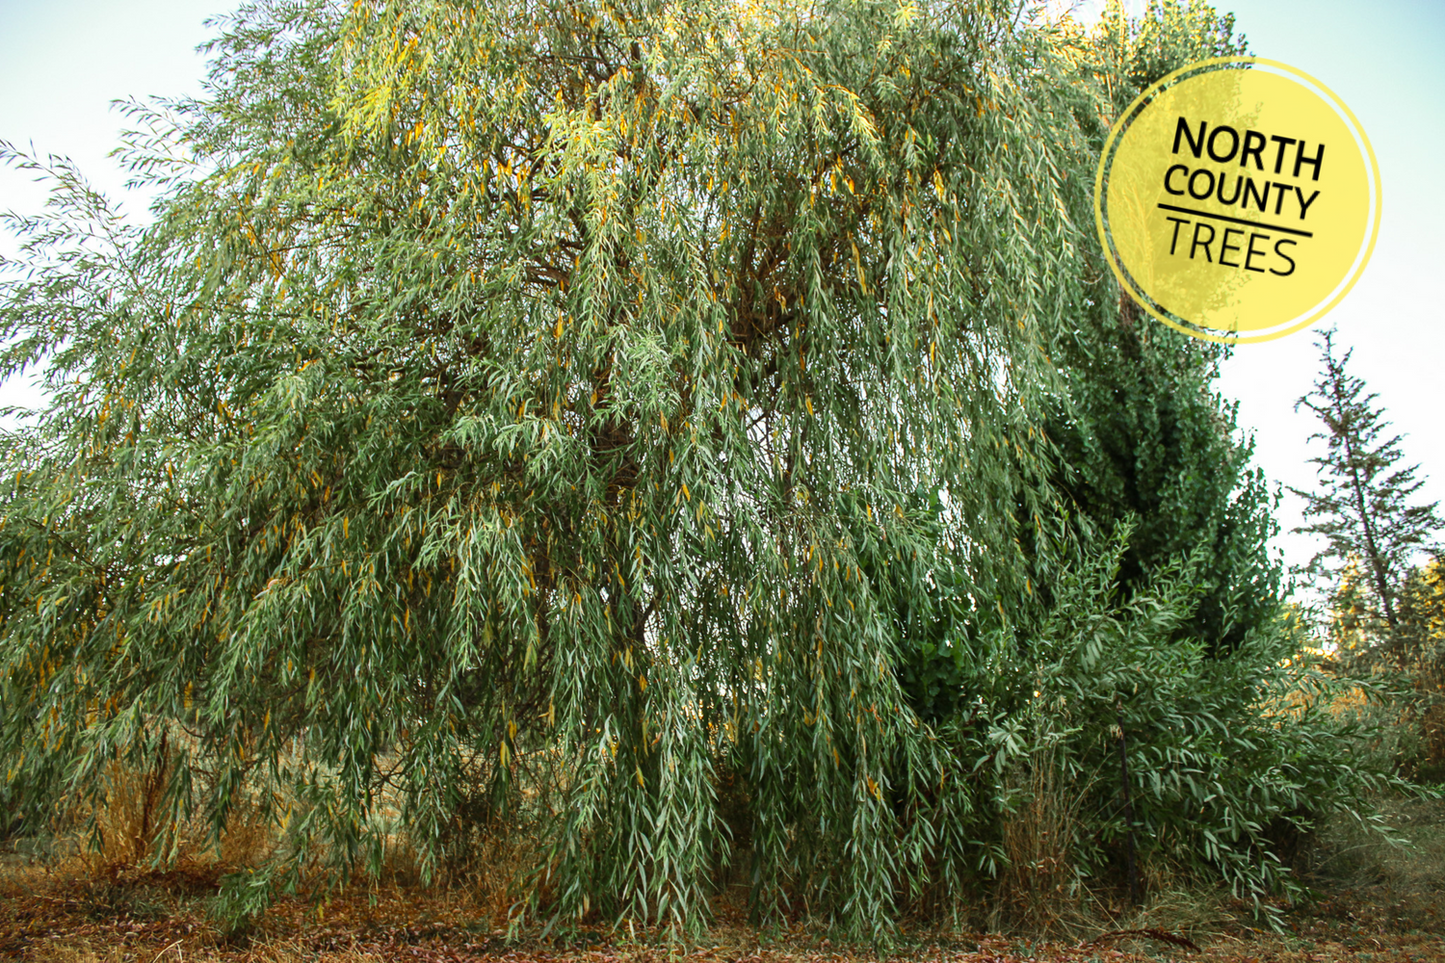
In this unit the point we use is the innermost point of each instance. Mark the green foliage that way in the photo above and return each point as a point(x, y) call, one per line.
point(1161, 645)
point(557, 414)
point(509, 395)
point(1145, 436)
point(1222, 753)
point(1140, 430)
point(1196, 765)
point(1406, 665)
point(1421, 643)
point(1386, 613)
point(1169, 35)
point(1361, 506)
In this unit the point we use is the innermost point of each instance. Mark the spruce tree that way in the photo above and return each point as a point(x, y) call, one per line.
point(1362, 505)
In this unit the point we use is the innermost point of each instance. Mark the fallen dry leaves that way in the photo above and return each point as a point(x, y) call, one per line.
point(46, 917)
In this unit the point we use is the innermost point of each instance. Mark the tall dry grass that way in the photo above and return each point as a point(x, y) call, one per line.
point(129, 831)
point(1038, 890)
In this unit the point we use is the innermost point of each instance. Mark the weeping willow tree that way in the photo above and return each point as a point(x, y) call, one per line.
point(510, 392)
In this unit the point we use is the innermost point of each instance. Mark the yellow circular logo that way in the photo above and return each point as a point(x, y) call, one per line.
point(1237, 199)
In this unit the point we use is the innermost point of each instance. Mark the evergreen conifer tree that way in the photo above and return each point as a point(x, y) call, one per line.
point(1141, 431)
point(1362, 505)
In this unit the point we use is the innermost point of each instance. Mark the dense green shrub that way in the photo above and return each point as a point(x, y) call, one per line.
point(1194, 765)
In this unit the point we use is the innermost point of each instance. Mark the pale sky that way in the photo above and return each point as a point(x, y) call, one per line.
point(63, 61)
point(1386, 60)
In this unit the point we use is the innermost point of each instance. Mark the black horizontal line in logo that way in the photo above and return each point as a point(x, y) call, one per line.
point(1236, 220)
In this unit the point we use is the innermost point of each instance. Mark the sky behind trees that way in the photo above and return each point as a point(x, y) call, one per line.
point(62, 63)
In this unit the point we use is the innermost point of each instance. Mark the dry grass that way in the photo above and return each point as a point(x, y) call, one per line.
point(1372, 885)
point(84, 954)
point(131, 820)
point(1038, 891)
point(495, 876)
point(130, 825)
point(1346, 853)
point(1384, 905)
point(405, 924)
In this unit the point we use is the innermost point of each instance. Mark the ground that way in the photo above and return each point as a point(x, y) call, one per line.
point(1373, 904)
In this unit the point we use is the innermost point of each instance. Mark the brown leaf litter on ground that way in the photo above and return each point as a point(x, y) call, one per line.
point(49, 917)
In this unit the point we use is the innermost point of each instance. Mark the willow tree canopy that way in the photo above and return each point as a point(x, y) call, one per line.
point(507, 397)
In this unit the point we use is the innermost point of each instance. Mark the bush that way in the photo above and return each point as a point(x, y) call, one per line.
point(1109, 752)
